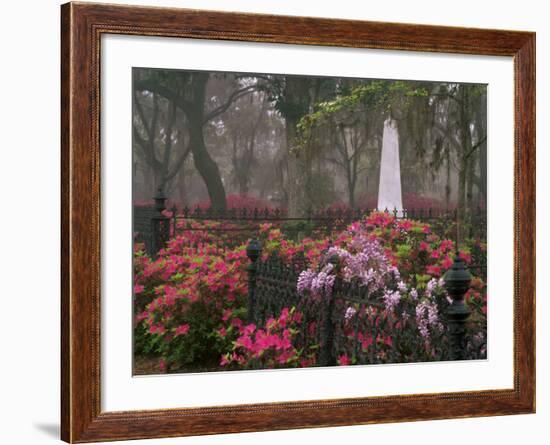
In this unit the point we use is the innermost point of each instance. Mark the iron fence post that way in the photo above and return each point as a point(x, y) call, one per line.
point(457, 282)
point(253, 252)
point(160, 224)
point(174, 220)
point(327, 333)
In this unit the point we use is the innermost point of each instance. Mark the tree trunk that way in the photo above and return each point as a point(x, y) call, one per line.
point(182, 189)
point(351, 192)
point(461, 201)
point(448, 174)
point(243, 185)
point(465, 145)
point(297, 102)
point(294, 187)
point(482, 130)
point(470, 184)
point(204, 164)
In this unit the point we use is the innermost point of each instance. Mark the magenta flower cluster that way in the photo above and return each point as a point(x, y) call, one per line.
point(427, 313)
point(363, 259)
point(317, 283)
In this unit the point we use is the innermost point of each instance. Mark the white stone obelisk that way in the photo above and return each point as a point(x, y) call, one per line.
point(389, 191)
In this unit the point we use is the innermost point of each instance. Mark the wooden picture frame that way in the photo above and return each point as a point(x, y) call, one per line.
point(82, 26)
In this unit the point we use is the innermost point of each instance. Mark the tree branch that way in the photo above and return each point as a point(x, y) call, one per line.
point(145, 148)
point(141, 114)
point(237, 94)
point(476, 146)
point(179, 162)
point(155, 87)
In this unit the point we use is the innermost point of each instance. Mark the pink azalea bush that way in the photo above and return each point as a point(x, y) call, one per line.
point(180, 299)
point(269, 346)
point(400, 263)
point(190, 302)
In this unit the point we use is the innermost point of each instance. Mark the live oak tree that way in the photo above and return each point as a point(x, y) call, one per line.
point(246, 128)
point(441, 126)
point(461, 136)
point(163, 148)
point(294, 97)
point(305, 143)
point(187, 91)
point(346, 130)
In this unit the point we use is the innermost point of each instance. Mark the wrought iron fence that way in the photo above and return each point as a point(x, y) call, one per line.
point(151, 225)
point(353, 323)
point(350, 322)
point(227, 229)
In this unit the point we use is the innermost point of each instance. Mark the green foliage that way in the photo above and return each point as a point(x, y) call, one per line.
point(201, 345)
point(320, 190)
point(422, 279)
point(296, 230)
point(403, 250)
point(377, 95)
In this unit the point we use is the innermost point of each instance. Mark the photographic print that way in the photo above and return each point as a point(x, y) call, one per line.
point(313, 247)
point(285, 221)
